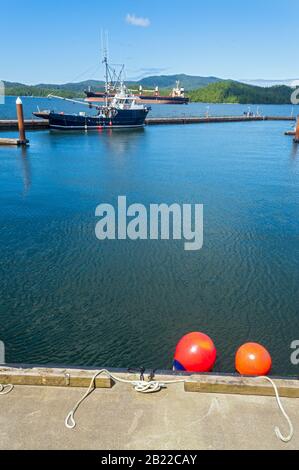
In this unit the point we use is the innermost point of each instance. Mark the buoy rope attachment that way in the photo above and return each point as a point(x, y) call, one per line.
point(278, 433)
point(139, 386)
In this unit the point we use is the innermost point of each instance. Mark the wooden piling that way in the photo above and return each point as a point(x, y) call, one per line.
point(21, 126)
point(21, 123)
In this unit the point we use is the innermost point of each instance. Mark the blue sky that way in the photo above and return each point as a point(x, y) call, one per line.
point(57, 41)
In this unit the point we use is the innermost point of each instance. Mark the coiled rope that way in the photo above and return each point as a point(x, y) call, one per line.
point(5, 389)
point(155, 386)
point(138, 385)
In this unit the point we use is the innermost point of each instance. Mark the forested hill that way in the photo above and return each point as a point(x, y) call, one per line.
point(189, 82)
point(234, 92)
point(75, 90)
point(206, 90)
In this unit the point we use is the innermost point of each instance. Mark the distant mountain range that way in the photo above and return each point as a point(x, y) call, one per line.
point(162, 81)
point(189, 82)
point(200, 89)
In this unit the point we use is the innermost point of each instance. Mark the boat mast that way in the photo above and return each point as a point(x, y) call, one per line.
point(113, 78)
point(105, 61)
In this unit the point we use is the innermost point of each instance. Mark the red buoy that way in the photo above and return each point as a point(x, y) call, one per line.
point(195, 352)
point(253, 359)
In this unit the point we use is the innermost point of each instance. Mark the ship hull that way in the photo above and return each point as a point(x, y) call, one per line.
point(145, 99)
point(162, 100)
point(123, 119)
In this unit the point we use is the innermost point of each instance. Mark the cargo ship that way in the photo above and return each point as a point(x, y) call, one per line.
point(177, 96)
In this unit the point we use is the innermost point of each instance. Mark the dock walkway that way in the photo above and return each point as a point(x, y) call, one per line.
point(30, 124)
point(214, 119)
point(32, 417)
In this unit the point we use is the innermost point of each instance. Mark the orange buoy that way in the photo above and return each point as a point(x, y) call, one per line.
point(253, 359)
point(195, 352)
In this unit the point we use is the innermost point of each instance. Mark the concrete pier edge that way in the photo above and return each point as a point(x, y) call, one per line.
point(202, 383)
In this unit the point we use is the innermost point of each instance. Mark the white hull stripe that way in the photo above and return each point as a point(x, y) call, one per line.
point(56, 126)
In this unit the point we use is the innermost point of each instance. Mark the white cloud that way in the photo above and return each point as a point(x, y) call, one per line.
point(137, 21)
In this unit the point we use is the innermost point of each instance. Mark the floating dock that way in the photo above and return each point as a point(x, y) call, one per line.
point(223, 412)
point(37, 124)
point(215, 119)
point(16, 142)
point(30, 124)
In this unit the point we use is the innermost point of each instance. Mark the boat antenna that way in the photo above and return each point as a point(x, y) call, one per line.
point(104, 40)
point(112, 78)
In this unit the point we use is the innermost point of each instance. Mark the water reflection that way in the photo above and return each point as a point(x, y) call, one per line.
point(121, 141)
point(117, 141)
point(294, 151)
point(26, 167)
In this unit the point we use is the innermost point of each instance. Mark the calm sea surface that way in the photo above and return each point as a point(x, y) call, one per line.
point(67, 298)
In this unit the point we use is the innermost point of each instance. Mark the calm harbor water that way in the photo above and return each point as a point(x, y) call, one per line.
point(7, 111)
point(67, 298)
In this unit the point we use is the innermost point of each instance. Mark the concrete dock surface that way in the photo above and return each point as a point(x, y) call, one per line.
point(32, 417)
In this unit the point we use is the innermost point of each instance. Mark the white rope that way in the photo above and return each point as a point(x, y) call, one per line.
point(155, 386)
point(277, 430)
point(138, 385)
point(5, 389)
